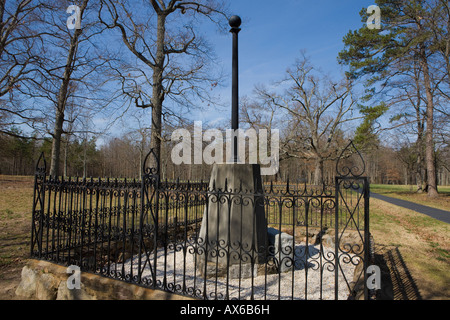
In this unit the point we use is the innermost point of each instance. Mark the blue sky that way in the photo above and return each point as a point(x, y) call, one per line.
point(275, 32)
point(272, 36)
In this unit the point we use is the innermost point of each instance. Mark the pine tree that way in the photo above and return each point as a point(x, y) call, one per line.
point(379, 56)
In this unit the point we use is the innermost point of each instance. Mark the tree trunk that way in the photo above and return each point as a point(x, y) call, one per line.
point(429, 141)
point(85, 157)
point(56, 143)
point(419, 145)
point(158, 94)
point(318, 172)
point(66, 155)
point(419, 165)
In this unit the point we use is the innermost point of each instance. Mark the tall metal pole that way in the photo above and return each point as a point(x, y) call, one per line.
point(235, 22)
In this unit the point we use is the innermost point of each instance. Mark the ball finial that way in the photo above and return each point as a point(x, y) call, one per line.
point(235, 21)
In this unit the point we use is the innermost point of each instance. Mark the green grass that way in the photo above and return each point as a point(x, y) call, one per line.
point(391, 188)
point(423, 242)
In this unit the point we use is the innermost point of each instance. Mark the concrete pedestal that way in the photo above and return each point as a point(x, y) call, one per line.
point(234, 227)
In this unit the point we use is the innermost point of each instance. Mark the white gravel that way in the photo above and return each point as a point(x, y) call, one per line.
point(312, 280)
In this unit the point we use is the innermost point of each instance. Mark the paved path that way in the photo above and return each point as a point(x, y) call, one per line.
point(438, 214)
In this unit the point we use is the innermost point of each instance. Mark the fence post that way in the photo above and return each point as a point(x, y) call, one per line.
point(141, 223)
point(149, 177)
point(366, 235)
point(38, 206)
point(336, 238)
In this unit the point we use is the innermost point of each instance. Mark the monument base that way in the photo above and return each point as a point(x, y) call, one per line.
point(234, 227)
point(280, 259)
point(234, 271)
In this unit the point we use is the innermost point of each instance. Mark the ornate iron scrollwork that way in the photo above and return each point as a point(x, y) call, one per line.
point(347, 164)
point(148, 232)
point(41, 166)
point(151, 170)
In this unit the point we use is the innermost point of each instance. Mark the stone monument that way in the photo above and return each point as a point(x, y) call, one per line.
point(233, 236)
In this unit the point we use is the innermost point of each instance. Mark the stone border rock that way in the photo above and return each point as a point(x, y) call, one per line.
point(42, 280)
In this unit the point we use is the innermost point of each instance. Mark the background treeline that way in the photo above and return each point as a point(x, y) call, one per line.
point(123, 158)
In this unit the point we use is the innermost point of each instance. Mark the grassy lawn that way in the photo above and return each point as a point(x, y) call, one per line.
point(407, 192)
point(16, 199)
point(422, 242)
point(416, 249)
point(412, 249)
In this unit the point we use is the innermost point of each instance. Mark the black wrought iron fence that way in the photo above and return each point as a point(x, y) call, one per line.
point(149, 232)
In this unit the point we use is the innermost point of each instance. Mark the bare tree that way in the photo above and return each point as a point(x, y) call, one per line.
point(259, 114)
point(68, 68)
point(316, 108)
point(20, 46)
point(173, 60)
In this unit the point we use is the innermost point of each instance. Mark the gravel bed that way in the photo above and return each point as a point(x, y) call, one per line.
point(313, 278)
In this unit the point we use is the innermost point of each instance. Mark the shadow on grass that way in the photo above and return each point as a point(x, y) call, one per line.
point(397, 282)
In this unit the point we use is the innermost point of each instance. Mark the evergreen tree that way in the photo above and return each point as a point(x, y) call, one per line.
point(366, 136)
point(380, 56)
